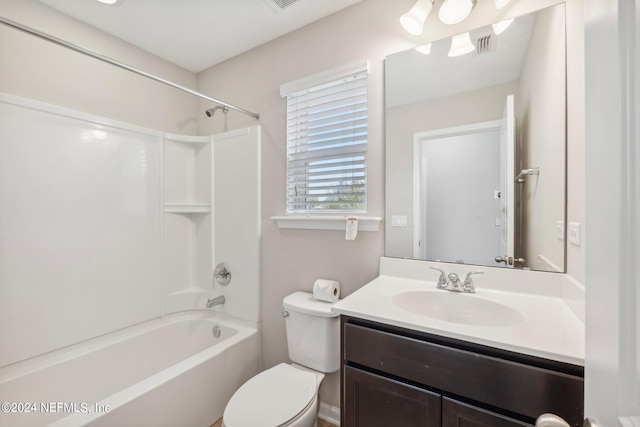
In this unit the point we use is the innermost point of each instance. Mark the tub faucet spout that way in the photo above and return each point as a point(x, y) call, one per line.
point(215, 301)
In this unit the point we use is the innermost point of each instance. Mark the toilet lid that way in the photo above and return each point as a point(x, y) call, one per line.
point(271, 398)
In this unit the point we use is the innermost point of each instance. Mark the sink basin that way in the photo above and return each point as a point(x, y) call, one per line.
point(456, 307)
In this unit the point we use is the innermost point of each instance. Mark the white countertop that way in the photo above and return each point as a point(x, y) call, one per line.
point(549, 328)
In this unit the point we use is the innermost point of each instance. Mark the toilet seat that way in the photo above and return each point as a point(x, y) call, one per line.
point(271, 398)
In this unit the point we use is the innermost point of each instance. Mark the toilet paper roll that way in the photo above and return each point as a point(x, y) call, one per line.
point(326, 290)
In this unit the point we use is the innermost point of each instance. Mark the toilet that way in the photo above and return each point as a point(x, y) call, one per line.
point(287, 394)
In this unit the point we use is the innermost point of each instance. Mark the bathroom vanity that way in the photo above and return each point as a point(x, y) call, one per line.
point(417, 366)
point(396, 376)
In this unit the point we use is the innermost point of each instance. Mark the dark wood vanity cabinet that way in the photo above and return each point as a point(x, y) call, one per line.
point(403, 378)
point(379, 401)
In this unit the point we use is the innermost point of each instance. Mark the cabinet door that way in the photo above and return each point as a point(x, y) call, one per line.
point(375, 401)
point(458, 414)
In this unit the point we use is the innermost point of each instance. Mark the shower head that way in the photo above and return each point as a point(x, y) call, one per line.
point(211, 111)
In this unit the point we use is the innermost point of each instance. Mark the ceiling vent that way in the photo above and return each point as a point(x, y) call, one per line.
point(485, 44)
point(284, 3)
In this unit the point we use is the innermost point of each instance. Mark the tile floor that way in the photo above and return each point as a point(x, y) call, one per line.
point(321, 423)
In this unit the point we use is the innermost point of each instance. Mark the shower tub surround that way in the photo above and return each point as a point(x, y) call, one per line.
point(108, 238)
point(166, 372)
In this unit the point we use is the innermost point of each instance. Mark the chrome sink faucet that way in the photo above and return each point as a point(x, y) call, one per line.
point(215, 301)
point(454, 282)
point(451, 282)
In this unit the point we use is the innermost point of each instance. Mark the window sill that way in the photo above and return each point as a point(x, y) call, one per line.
point(365, 223)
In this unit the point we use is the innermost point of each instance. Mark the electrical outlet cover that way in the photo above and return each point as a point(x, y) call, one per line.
point(560, 230)
point(574, 233)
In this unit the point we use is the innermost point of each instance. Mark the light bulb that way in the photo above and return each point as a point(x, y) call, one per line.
point(499, 27)
point(413, 21)
point(455, 11)
point(461, 45)
point(425, 49)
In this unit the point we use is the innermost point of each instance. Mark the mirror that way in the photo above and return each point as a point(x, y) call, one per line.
point(475, 147)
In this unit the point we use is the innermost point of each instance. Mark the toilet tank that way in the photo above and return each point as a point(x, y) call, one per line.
point(313, 332)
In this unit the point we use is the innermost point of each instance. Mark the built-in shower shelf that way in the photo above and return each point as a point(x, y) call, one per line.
point(186, 139)
point(187, 208)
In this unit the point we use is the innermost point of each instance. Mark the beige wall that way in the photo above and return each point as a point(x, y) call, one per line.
point(40, 70)
point(576, 173)
point(293, 259)
point(540, 112)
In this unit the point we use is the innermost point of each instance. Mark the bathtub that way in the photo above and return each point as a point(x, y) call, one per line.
point(172, 371)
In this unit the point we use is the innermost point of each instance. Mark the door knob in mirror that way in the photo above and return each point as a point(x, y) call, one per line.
point(550, 420)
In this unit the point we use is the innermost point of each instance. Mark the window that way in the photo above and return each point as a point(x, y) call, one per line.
point(327, 142)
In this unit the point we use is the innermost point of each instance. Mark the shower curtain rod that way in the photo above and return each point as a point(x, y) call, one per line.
point(111, 61)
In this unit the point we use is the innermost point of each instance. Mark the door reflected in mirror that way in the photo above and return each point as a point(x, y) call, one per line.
point(475, 147)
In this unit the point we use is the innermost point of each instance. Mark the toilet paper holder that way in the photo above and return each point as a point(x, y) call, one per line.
point(222, 274)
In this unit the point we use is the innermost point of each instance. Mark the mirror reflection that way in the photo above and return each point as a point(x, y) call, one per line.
point(475, 146)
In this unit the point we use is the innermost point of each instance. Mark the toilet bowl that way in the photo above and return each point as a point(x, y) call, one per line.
point(287, 394)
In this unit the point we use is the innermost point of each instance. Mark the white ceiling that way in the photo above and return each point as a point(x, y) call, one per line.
point(197, 34)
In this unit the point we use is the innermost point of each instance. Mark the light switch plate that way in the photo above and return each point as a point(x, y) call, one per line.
point(398, 221)
point(574, 233)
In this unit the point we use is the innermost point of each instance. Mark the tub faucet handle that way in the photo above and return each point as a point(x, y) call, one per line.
point(222, 273)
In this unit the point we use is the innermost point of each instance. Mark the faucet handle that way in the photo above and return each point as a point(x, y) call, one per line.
point(468, 283)
point(442, 281)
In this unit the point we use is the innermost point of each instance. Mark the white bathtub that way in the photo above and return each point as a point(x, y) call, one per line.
point(165, 372)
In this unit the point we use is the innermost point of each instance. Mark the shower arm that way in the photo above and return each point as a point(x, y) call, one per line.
point(119, 64)
point(532, 171)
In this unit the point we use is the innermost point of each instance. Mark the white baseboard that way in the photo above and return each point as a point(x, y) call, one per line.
point(329, 413)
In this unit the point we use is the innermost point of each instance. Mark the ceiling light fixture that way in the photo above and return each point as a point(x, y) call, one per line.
point(461, 45)
point(413, 21)
point(425, 49)
point(499, 27)
point(501, 3)
point(109, 2)
point(455, 11)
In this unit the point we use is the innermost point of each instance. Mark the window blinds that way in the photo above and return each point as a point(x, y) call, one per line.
point(327, 146)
